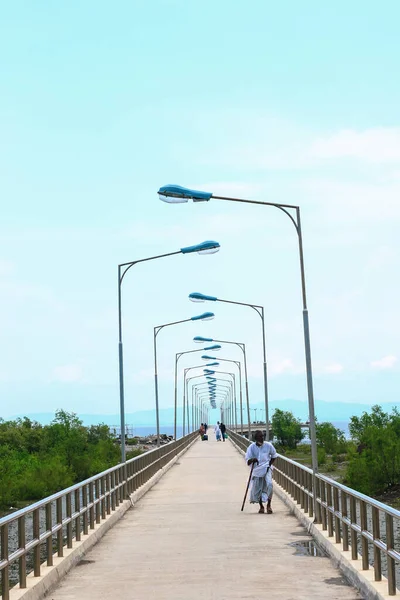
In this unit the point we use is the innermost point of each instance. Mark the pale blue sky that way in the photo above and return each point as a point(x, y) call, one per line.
point(102, 103)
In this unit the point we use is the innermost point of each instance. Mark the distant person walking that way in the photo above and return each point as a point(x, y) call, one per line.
point(205, 427)
point(222, 427)
point(262, 455)
point(202, 430)
point(217, 432)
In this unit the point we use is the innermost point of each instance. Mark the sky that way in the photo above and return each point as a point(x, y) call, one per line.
point(102, 103)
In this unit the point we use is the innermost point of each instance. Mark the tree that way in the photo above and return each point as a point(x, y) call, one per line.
point(330, 438)
point(375, 466)
point(286, 428)
point(36, 461)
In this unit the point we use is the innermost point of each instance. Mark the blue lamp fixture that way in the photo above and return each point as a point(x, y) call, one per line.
point(176, 194)
point(200, 339)
point(207, 357)
point(214, 348)
point(207, 316)
point(208, 247)
point(197, 297)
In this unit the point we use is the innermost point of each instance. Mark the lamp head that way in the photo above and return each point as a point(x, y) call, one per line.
point(200, 339)
point(176, 194)
point(197, 297)
point(207, 247)
point(207, 316)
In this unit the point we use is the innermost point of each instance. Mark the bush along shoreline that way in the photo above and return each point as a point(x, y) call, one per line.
point(38, 460)
point(369, 462)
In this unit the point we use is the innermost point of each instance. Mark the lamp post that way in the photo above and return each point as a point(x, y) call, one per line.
point(199, 339)
point(207, 316)
point(178, 194)
point(208, 247)
point(185, 393)
point(237, 363)
point(231, 388)
point(197, 297)
point(211, 390)
point(178, 355)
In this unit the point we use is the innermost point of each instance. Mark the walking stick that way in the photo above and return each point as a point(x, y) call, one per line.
point(248, 483)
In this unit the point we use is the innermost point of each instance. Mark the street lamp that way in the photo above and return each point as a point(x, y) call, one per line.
point(186, 386)
point(207, 247)
point(186, 392)
point(207, 316)
point(206, 357)
point(197, 297)
point(177, 194)
point(178, 355)
point(198, 389)
point(199, 340)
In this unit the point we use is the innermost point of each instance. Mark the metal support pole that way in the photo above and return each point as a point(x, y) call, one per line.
point(121, 371)
point(176, 395)
point(247, 390)
point(241, 401)
point(156, 386)
point(265, 377)
point(310, 386)
point(184, 403)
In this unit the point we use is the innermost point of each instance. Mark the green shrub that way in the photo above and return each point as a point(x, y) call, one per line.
point(131, 442)
point(330, 438)
point(321, 455)
point(374, 463)
point(329, 467)
point(133, 453)
point(287, 429)
point(36, 460)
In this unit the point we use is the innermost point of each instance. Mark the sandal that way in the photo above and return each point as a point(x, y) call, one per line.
point(269, 511)
point(262, 510)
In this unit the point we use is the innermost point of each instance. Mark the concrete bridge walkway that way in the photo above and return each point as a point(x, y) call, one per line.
point(187, 539)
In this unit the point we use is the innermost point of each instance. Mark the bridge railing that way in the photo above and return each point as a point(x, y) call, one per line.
point(30, 536)
point(361, 524)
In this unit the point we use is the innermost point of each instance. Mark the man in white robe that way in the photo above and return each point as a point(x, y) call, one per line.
point(262, 455)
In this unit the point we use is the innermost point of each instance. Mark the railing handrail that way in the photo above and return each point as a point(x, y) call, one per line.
point(40, 503)
point(381, 505)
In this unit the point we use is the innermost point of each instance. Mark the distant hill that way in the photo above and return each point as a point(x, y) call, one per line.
point(325, 411)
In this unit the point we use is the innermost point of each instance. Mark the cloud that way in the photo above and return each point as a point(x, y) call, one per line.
point(67, 373)
point(387, 362)
point(376, 145)
point(285, 365)
point(333, 368)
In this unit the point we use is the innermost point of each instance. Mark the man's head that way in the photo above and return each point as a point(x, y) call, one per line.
point(259, 437)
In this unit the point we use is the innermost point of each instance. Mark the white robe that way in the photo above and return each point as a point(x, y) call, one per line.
point(261, 485)
point(263, 454)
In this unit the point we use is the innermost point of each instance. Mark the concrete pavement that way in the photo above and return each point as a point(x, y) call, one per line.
point(187, 539)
